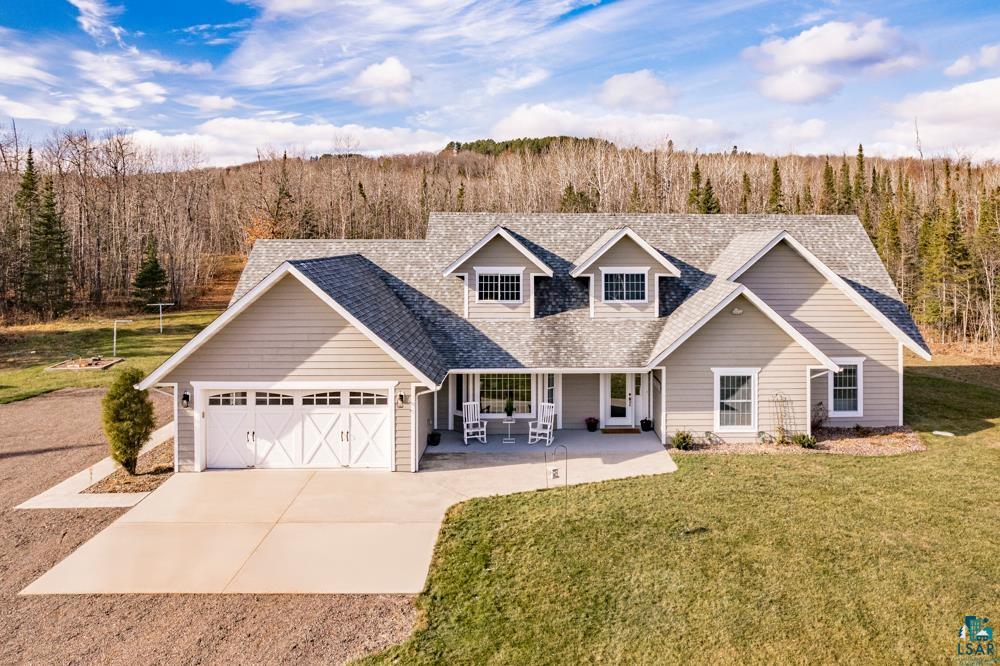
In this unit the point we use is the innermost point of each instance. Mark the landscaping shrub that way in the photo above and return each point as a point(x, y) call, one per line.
point(128, 418)
point(683, 440)
point(804, 440)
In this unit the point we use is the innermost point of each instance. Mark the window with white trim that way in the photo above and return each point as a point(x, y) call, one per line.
point(324, 399)
point(735, 399)
point(624, 287)
point(499, 286)
point(273, 399)
point(845, 388)
point(549, 389)
point(367, 398)
point(238, 399)
point(496, 388)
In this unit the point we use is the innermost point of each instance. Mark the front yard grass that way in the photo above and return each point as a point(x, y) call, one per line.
point(25, 351)
point(734, 559)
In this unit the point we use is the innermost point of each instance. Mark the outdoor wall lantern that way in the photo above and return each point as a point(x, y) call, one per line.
point(185, 400)
point(401, 399)
point(737, 312)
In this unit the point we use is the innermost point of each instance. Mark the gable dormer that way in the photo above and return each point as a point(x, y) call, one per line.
point(499, 274)
point(624, 272)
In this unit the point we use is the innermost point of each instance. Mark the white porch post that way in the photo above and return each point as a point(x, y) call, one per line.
point(663, 406)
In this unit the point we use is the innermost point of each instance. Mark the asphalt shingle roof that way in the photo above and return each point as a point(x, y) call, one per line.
point(706, 248)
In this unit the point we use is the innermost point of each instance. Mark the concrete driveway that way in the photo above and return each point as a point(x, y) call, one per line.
point(300, 531)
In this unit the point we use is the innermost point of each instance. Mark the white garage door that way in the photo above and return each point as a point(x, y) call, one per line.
point(324, 429)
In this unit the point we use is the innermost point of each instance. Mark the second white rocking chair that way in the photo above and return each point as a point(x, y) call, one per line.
point(543, 428)
point(473, 426)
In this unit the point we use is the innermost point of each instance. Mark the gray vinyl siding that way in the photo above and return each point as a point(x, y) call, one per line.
point(835, 324)
point(749, 340)
point(290, 334)
point(498, 253)
point(425, 421)
point(625, 253)
point(580, 398)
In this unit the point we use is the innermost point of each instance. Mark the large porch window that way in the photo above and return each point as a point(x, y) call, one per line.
point(496, 388)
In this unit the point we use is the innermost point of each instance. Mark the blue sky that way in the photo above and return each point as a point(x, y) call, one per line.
point(314, 76)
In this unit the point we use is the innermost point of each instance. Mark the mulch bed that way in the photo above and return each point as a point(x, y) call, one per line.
point(153, 468)
point(46, 439)
point(841, 441)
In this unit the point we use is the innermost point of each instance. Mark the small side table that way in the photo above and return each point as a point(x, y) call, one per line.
point(509, 439)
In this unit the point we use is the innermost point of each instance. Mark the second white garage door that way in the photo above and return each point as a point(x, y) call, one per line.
point(294, 430)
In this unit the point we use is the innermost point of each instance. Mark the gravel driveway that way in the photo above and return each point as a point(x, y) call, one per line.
point(46, 439)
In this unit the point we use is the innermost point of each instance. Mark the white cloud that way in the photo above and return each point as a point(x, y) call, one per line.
point(988, 57)
point(224, 141)
point(513, 78)
point(22, 68)
point(59, 113)
point(386, 82)
point(209, 103)
point(786, 129)
point(638, 91)
point(815, 63)
point(624, 128)
point(799, 85)
point(964, 119)
point(96, 19)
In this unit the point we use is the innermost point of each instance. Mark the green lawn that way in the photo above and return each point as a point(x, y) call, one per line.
point(748, 559)
point(25, 351)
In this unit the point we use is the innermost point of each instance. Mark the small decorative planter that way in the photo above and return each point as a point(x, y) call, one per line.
point(592, 424)
point(646, 425)
point(433, 438)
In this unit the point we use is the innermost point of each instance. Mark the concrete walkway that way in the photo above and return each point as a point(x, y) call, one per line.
point(329, 531)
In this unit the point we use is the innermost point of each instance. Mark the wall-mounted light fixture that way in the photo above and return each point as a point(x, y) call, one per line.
point(737, 312)
point(185, 400)
point(402, 399)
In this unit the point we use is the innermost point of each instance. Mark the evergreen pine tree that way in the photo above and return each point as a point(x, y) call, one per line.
point(46, 283)
point(694, 194)
point(859, 175)
point(709, 202)
point(876, 187)
point(775, 197)
point(888, 241)
point(744, 205)
point(828, 192)
point(845, 197)
point(460, 198)
point(151, 281)
point(26, 205)
point(808, 205)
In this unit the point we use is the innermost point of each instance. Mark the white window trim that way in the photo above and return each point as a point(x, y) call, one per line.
point(500, 270)
point(716, 395)
point(842, 361)
point(626, 270)
point(488, 416)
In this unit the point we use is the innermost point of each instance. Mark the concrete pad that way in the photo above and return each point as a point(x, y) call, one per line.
point(378, 497)
point(345, 558)
point(153, 558)
point(237, 496)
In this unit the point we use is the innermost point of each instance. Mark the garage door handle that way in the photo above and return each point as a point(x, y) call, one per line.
point(248, 435)
point(253, 435)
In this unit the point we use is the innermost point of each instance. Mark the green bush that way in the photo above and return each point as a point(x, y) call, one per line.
point(683, 440)
point(804, 440)
point(128, 418)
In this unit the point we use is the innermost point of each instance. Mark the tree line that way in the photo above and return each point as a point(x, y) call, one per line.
point(120, 206)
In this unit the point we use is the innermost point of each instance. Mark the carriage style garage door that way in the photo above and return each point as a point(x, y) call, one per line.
point(298, 429)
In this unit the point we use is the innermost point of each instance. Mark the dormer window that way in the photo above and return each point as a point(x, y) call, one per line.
point(624, 285)
point(499, 285)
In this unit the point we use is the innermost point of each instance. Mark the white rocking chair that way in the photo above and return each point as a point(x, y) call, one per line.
point(473, 426)
point(543, 428)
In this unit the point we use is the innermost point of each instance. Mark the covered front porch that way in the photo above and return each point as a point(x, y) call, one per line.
point(577, 442)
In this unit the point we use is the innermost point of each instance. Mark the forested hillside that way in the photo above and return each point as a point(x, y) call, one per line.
point(78, 224)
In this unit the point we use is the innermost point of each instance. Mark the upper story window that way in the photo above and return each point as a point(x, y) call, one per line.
point(624, 285)
point(499, 285)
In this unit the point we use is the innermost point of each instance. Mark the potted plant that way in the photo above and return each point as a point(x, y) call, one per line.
point(592, 424)
point(508, 407)
point(433, 438)
point(646, 425)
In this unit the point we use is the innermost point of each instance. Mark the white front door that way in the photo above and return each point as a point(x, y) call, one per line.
point(618, 398)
